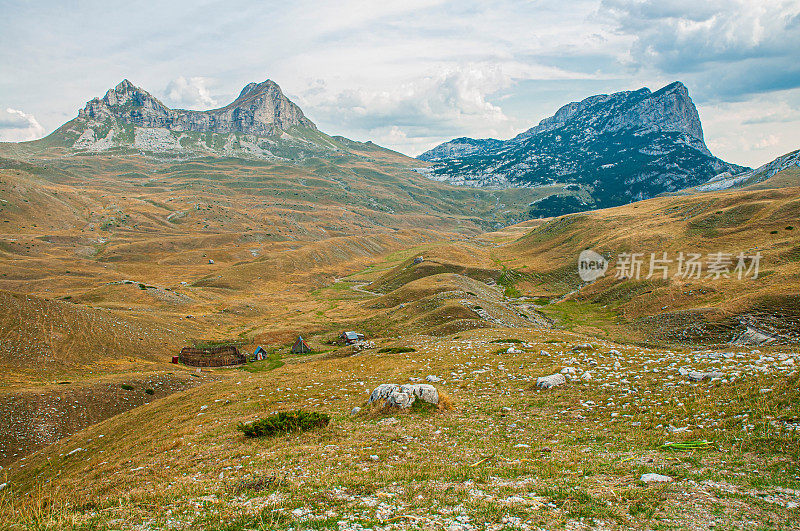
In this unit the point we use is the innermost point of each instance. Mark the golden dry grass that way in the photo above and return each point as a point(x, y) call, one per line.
point(292, 258)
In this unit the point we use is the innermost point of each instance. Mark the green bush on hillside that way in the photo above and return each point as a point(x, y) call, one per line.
point(284, 422)
point(397, 350)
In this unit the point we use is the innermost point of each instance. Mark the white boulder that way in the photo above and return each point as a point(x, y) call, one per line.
point(383, 391)
point(403, 396)
point(546, 382)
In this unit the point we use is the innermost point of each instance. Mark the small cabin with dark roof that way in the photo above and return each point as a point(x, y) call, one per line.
point(259, 354)
point(351, 337)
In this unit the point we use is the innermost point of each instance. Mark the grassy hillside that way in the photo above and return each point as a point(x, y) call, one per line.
point(111, 263)
point(507, 455)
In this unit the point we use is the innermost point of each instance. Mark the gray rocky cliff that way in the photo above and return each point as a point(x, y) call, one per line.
point(260, 110)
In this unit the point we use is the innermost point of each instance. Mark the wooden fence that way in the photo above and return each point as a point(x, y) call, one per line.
point(211, 357)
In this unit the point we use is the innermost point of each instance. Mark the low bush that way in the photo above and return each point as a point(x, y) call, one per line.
point(127, 387)
point(284, 422)
point(397, 350)
point(149, 391)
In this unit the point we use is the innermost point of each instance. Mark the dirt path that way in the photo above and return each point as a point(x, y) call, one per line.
point(358, 285)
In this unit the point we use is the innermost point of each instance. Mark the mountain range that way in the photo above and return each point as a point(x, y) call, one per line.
point(606, 150)
point(619, 148)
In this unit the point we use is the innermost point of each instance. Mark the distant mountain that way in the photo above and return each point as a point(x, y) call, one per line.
point(724, 181)
point(617, 148)
point(260, 123)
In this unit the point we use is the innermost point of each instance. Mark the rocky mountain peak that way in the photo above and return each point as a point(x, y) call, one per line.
point(669, 109)
point(614, 148)
point(261, 109)
point(252, 89)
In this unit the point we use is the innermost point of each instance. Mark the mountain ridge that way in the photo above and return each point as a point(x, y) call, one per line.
point(260, 109)
point(261, 123)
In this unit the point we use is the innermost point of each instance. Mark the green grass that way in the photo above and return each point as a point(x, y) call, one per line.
point(508, 278)
point(571, 314)
point(213, 343)
point(272, 362)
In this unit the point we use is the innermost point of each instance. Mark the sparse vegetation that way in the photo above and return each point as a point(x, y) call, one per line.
point(503, 454)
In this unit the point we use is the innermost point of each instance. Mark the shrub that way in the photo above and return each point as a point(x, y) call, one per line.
point(397, 350)
point(284, 422)
point(149, 391)
point(127, 387)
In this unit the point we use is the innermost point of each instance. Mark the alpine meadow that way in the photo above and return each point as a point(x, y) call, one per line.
point(521, 266)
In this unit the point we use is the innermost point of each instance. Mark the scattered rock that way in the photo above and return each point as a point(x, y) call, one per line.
point(355, 411)
point(546, 382)
point(697, 376)
point(655, 478)
point(433, 379)
point(391, 421)
point(363, 345)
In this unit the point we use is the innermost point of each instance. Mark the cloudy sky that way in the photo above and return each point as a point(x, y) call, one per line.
point(413, 73)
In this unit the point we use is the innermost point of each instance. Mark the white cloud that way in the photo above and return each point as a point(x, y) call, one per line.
point(730, 48)
point(448, 102)
point(754, 131)
point(19, 126)
point(766, 141)
point(189, 93)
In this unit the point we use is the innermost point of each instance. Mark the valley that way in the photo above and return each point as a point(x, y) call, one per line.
point(115, 253)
